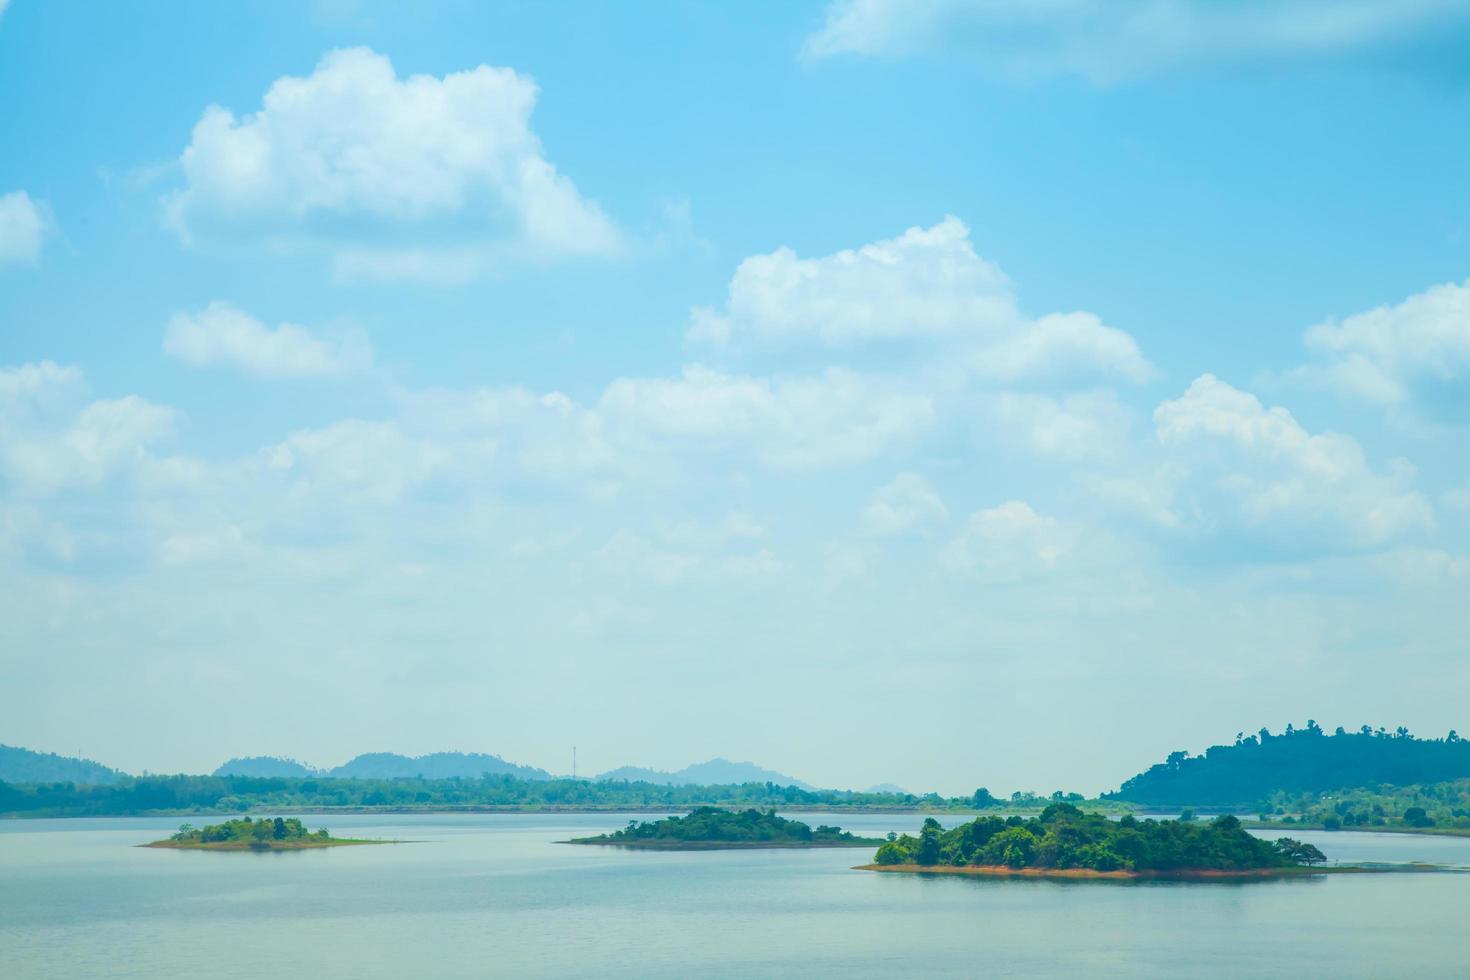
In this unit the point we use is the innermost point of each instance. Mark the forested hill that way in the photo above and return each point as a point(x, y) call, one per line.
point(715, 772)
point(438, 765)
point(24, 766)
point(1300, 760)
point(386, 765)
point(265, 766)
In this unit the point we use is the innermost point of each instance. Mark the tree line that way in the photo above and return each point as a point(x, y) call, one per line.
point(145, 794)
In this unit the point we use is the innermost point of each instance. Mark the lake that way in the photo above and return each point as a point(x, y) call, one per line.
point(495, 896)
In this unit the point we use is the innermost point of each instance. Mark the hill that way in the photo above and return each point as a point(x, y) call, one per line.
point(715, 772)
point(1305, 760)
point(265, 765)
point(887, 788)
point(436, 765)
point(19, 765)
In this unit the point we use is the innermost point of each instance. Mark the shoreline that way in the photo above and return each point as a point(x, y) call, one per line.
point(703, 845)
point(261, 846)
point(1288, 828)
point(1181, 874)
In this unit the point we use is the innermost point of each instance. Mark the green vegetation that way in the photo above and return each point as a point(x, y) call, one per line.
point(1440, 808)
point(19, 765)
point(1063, 837)
point(245, 834)
point(240, 794)
point(707, 828)
point(1299, 761)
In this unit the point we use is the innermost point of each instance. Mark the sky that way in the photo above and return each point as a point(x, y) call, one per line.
point(953, 393)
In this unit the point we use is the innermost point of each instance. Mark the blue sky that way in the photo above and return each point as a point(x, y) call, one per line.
point(952, 394)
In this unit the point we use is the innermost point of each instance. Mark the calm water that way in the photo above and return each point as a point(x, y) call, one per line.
point(494, 896)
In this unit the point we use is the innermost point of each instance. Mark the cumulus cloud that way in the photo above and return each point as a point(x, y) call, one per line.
point(417, 160)
point(927, 284)
point(927, 281)
point(1256, 467)
point(50, 438)
point(1080, 426)
point(907, 503)
point(28, 385)
point(24, 224)
point(221, 335)
point(1414, 353)
point(838, 416)
point(370, 463)
point(1107, 40)
point(1009, 542)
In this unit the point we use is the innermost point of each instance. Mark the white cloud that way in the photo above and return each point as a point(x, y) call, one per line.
point(1061, 345)
point(1258, 468)
point(48, 443)
point(223, 335)
point(22, 386)
point(369, 463)
point(1107, 40)
point(1079, 426)
point(1417, 351)
point(838, 416)
point(1143, 492)
point(907, 503)
point(24, 224)
point(352, 143)
point(926, 284)
point(1009, 542)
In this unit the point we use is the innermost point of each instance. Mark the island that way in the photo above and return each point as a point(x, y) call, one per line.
point(245, 834)
point(709, 828)
point(1064, 842)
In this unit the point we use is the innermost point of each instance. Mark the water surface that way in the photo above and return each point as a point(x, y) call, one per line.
point(495, 896)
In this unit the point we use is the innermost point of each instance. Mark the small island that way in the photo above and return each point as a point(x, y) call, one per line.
point(1064, 842)
point(245, 834)
point(709, 828)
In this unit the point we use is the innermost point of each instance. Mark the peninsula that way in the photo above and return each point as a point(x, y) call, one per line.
point(710, 828)
point(245, 834)
point(1064, 842)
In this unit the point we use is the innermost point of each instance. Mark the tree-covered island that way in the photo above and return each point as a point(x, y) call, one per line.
point(1065, 842)
point(710, 828)
point(245, 834)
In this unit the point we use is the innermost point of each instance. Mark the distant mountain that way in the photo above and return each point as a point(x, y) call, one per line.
point(19, 765)
point(265, 765)
point(438, 765)
point(637, 774)
point(1304, 760)
point(887, 788)
point(715, 772)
